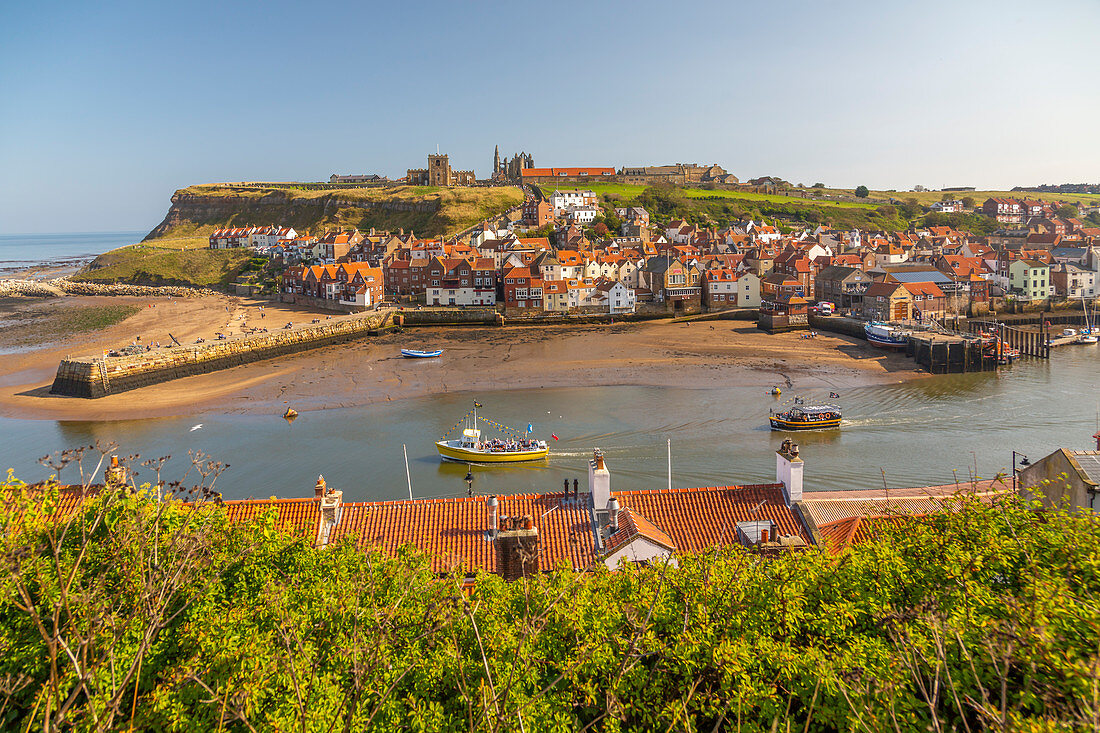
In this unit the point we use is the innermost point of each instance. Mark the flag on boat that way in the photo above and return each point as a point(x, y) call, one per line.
point(530, 428)
point(477, 404)
point(553, 436)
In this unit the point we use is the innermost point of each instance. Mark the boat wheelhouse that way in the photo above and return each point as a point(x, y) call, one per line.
point(885, 336)
point(813, 417)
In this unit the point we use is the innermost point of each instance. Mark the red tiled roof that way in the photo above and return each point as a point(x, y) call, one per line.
point(696, 519)
point(930, 289)
point(633, 525)
point(595, 170)
point(454, 531)
point(842, 534)
point(300, 515)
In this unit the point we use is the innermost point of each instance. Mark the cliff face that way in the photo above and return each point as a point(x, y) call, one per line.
point(198, 210)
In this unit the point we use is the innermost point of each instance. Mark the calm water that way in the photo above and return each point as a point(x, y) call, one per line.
point(923, 432)
point(19, 251)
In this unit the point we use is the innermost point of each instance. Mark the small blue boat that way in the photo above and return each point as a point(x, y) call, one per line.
point(417, 354)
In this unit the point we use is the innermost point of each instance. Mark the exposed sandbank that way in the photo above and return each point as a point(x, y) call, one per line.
point(478, 359)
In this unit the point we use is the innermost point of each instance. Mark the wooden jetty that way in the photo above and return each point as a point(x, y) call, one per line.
point(1029, 341)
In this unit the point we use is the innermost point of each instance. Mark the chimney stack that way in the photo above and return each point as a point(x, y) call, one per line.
point(332, 508)
point(1097, 436)
point(788, 471)
point(494, 517)
point(517, 549)
point(599, 481)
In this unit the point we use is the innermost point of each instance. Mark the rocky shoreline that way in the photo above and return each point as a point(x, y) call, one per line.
point(61, 286)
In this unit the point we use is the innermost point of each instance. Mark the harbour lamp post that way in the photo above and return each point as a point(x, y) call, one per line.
point(1023, 462)
point(469, 479)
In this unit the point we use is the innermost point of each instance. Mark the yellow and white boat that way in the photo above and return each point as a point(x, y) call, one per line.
point(470, 448)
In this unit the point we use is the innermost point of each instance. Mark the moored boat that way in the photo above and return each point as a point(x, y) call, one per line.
point(886, 337)
point(815, 417)
point(418, 354)
point(471, 448)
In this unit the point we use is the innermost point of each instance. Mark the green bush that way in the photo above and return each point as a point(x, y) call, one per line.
point(161, 617)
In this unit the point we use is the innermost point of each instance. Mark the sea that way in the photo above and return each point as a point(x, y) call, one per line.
point(70, 251)
point(934, 430)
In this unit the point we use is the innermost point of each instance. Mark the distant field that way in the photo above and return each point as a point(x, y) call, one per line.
point(927, 198)
point(630, 192)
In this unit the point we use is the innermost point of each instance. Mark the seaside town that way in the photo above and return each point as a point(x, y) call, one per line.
point(568, 250)
point(442, 400)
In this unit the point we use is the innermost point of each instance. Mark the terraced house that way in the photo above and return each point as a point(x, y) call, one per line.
point(462, 282)
point(1030, 279)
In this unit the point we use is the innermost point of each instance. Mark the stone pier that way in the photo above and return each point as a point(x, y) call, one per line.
point(94, 377)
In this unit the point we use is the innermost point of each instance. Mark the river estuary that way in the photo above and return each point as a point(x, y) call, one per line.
point(926, 431)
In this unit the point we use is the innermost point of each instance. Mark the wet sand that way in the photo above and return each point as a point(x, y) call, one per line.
point(704, 354)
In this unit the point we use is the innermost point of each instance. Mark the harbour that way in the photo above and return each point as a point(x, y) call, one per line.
point(932, 430)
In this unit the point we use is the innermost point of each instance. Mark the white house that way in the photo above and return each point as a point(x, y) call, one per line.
point(562, 201)
point(615, 296)
point(583, 214)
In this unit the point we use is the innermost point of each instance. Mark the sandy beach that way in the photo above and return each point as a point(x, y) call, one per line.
point(476, 359)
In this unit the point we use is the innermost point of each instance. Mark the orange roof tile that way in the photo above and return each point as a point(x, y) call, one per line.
point(454, 531)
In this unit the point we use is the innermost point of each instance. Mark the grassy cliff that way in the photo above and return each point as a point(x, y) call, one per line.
point(428, 211)
point(176, 251)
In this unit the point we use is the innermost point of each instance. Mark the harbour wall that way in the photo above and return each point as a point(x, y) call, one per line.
point(98, 377)
point(449, 317)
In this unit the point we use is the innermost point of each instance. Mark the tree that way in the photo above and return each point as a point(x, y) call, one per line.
point(861, 192)
point(968, 202)
point(601, 230)
point(819, 185)
point(1067, 211)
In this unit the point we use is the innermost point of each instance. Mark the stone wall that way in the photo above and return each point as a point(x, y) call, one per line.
point(93, 378)
point(448, 317)
point(838, 324)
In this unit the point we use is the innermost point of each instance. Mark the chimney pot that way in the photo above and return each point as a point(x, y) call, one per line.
point(494, 516)
point(320, 488)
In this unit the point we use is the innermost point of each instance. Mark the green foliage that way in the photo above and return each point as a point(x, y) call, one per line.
point(983, 618)
point(819, 185)
point(1067, 211)
point(978, 224)
point(150, 265)
point(861, 192)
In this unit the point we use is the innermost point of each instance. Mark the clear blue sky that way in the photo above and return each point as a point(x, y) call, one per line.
point(106, 108)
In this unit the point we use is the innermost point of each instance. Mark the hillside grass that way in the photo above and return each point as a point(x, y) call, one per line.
point(722, 208)
point(151, 265)
point(630, 192)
